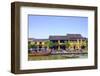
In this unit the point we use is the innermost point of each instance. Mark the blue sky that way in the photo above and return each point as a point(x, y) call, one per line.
point(43, 26)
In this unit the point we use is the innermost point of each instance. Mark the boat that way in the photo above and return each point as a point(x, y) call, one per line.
point(41, 53)
point(71, 56)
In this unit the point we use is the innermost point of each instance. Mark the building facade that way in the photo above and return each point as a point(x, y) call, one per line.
point(69, 41)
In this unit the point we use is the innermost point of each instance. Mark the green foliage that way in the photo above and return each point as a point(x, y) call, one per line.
point(31, 46)
point(34, 45)
point(50, 44)
point(84, 44)
point(68, 44)
point(55, 44)
point(63, 44)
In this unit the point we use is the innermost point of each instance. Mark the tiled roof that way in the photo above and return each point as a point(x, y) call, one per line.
point(57, 37)
point(74, 35)
point(66, 37)
point(40, 40)
point(30, 39)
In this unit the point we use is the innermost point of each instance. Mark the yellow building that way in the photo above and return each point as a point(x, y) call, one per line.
point(69, 41)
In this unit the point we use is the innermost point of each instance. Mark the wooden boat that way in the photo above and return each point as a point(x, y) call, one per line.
point(41, 53)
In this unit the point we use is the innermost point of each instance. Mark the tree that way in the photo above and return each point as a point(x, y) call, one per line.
point(29, 46)
point(63, 45)
point(34, 45)
point(49, 44)
point(56, 44)
point(84, 44)
point(67, 43)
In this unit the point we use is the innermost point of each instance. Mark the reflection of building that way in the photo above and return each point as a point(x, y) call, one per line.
point(73, 40)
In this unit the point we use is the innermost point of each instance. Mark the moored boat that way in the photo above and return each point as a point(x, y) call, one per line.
point(41, 53)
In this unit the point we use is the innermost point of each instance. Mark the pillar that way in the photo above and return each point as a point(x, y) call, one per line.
point(78, 44)
point(58, 44)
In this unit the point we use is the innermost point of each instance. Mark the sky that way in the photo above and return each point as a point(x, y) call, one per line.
point(40, 26)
